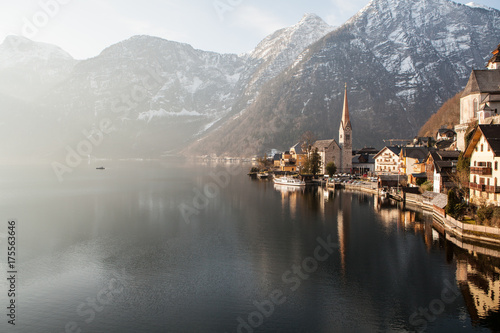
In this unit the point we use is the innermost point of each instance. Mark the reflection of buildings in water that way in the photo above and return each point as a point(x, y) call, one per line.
point(289, 197)
point(480, 286)
point(343, 228)
point(387, 210)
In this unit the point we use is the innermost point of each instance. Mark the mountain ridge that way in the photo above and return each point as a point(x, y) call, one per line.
point(400, 59)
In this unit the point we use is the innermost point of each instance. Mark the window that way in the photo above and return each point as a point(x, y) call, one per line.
point(488, 147)
point(496, 165)
point(475, 180)
point(482, 147)
point(475, 163)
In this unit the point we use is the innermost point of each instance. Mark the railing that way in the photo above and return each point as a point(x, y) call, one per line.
point(477, 187)
point(482, 171)
point(484, 188)
point(493, 189)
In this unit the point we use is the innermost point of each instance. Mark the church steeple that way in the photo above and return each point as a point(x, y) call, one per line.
point(345, 138)
point(346, 121)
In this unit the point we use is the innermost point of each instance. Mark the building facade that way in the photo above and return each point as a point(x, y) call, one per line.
point(387, 161)
point(480, 101)
point(484, 154)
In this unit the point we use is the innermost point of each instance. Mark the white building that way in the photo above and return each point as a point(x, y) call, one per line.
point(481, 98)
point(484, 154)
point(387, 161)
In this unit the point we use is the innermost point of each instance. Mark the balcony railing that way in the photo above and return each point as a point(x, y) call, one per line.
point(493, 189)
point(477, 187)
point(481, 171)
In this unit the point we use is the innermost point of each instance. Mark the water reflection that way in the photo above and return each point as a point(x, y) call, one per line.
point(477, 267)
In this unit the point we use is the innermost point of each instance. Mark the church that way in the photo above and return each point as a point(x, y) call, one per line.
point(340, 153)
point(480, 101)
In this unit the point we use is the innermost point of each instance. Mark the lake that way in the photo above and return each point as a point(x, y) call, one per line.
point(175, 246)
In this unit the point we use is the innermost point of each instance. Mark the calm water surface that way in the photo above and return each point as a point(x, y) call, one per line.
point(138, 247)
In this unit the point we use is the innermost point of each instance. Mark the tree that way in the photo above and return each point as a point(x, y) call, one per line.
point(331, 169)
point(264, 163)
point(314, 162)
point(307, 141)
point(461, 177)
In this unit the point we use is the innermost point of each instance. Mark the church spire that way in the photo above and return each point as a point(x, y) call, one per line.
point(346, 121)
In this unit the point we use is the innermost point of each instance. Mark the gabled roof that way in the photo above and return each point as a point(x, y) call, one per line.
point(298, 149)
point(492, 136)
point(393, 149)
point(483, 81)
point(419, 153)
point(363, 159)
point(450, 155)
point(446, 130)
point(322, 144)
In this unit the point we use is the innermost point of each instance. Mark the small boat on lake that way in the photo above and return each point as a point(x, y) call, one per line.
point(289, 181)
point(263, 175)
point(100, 168)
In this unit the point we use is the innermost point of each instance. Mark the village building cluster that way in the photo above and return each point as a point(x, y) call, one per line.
point(421, 160)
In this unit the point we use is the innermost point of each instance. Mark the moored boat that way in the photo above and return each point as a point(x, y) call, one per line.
point(289, 181)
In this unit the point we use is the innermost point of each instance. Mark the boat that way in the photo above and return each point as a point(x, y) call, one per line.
point(100, 168)
point(289, 181)
point(262, 175)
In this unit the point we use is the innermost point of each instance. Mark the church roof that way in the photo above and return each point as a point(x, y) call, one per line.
point(483, 81)
point(322, 144)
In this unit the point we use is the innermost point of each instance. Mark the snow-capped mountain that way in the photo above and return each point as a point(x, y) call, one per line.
point(401, 59)
point(281, 49)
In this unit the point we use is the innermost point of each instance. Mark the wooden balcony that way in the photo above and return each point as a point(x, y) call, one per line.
point(493, 189)
point(481, 171)
point(477, 187)
point(484, 188)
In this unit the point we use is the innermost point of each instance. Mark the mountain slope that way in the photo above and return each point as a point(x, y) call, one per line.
point(28, 69)
point(401, 60)
point(447, 116)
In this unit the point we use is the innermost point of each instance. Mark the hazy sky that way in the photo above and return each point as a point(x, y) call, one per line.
point(85, 27)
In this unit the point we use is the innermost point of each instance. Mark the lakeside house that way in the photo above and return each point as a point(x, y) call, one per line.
point(484, 154)
point(363, 163)
point(480, 101)
point(410, 157)
point(440, 167)
point(446, 134)
point(387, 161)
